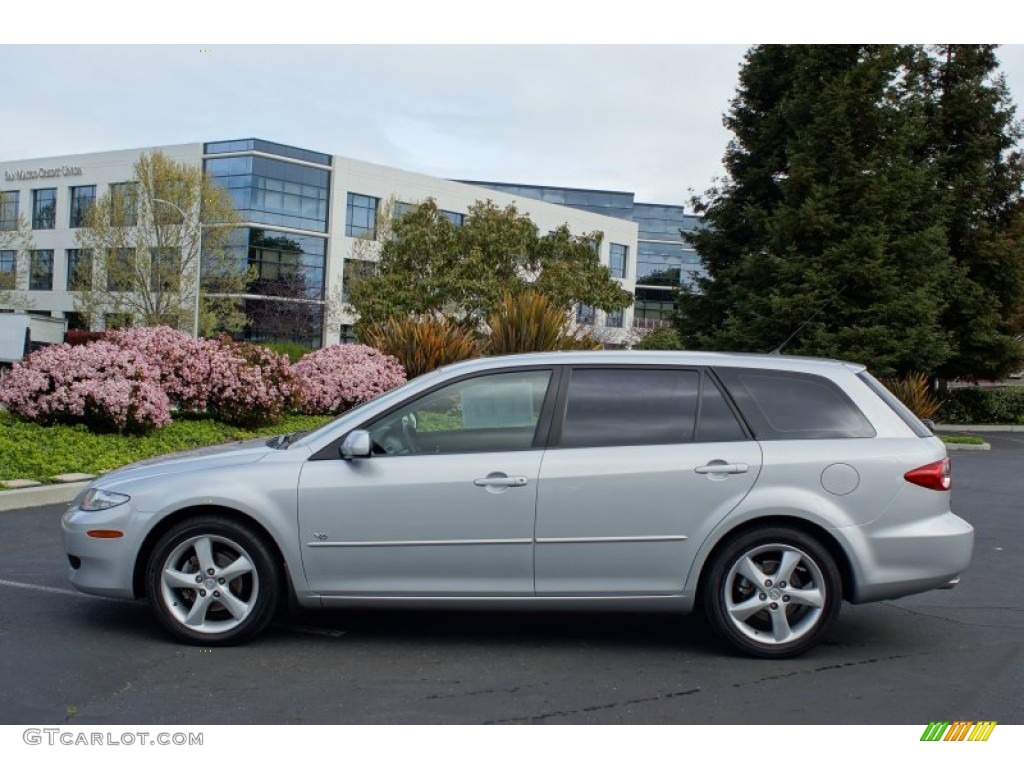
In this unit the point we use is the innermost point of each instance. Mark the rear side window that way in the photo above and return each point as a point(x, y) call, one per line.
point(780, 405)
point(623, 406)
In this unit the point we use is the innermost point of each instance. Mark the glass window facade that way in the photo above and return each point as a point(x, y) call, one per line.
point(614, 319)
point(290, 272)
point(361, 216)
point(617, 204)
point(9, 210)
point(40, 276)
point(44, 208)
point(270, 147)
point(82, 199)
point(454, 217)
point(347, 334)
point(585, 314)
point(653, 307)
point(79, 269)
point(275, 192)
point(8, 269)
point(124, 202)
point(287, 265)
point(618, 255)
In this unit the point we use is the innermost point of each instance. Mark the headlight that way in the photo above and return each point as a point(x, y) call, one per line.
point(96, 499)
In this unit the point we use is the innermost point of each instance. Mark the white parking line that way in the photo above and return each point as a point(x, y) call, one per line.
point(38, 587)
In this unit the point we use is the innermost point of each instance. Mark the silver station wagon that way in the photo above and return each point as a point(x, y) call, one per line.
point(764, 490)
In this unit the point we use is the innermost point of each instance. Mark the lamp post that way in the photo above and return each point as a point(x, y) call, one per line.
point(199, 262)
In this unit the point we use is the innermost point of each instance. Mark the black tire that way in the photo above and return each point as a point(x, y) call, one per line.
point(226, 607)
point(772, 618)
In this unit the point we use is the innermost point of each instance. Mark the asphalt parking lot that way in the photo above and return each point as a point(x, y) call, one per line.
point(959, 654)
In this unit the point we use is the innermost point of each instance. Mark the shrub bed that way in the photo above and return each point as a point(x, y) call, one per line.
point(249, 385)
point(100, 385)
point(1000, 405)
point(338, 377)
point(35, 452)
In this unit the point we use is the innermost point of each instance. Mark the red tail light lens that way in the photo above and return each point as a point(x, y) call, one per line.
point(937, 476)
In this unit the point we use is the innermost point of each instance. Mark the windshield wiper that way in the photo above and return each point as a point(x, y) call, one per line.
point(283, 441)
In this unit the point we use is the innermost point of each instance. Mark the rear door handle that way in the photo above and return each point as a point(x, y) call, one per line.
point(516, 481)
point(721, 468)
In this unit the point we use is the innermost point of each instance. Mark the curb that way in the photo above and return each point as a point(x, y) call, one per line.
point(968, 447)
point(979, 427)
point(38, 496)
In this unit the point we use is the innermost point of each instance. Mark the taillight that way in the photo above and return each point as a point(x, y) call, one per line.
point(937, 476)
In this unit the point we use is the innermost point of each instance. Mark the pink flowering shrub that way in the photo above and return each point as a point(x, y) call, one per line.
point(249, 385)
point(100, 384)
point(184, 363)
point(340, 376)
point(241, 384)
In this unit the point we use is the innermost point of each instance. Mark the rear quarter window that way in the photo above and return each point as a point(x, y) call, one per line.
point(896, 404)
point(783, 405)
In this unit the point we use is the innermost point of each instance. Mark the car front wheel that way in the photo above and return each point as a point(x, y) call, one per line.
point(773, 592)
point(213, 581)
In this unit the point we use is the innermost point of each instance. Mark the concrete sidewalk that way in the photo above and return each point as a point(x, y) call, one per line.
point(40, 495)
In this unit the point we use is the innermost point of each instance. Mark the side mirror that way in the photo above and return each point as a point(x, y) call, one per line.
point(356, 445)
point(930, 424)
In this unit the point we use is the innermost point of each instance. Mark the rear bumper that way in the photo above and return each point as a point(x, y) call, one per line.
point(899, 560)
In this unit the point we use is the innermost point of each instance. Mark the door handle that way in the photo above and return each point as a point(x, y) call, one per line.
point(721, 468)
point(516, 481)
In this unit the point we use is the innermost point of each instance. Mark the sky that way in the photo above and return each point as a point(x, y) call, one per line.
point(548, 104)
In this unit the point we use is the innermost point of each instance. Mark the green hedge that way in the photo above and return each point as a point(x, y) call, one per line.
point(1001, 405)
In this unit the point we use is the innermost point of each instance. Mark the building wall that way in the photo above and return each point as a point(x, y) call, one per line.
point(100, 169)
point(346, 176)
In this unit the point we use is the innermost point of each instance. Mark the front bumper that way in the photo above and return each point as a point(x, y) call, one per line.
point(101, 566)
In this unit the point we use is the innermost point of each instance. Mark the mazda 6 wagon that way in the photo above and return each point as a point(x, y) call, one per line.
point(763, 490)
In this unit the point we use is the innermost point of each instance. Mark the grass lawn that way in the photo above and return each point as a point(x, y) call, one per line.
point(31, 452)
point(963, 439)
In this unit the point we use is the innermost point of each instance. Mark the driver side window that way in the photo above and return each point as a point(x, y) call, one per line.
point(496, 412)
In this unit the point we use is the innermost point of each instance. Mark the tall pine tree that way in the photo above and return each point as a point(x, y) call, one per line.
point(834, 217)
point(981, 173)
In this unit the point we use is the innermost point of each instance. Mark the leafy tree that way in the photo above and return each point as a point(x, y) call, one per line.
point(148, 240)
point(19, 241)
point(428, 265)
point(832, 221)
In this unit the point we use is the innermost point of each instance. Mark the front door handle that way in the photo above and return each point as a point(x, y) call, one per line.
point(721, 468)
point(501, 481)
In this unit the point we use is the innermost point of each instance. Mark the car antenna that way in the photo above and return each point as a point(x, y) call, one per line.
point(818, 311)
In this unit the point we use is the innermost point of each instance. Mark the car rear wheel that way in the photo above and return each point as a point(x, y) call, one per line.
point(213, 581)
point(773, 592)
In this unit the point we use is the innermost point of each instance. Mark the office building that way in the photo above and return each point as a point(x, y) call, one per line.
point(307, 211)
